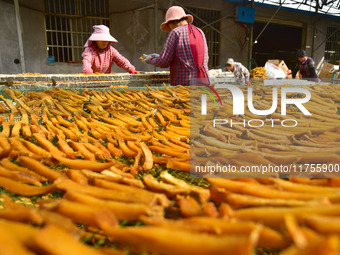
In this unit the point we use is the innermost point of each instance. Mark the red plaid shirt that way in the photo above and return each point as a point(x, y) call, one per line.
point(177, 54)
point(101, 62)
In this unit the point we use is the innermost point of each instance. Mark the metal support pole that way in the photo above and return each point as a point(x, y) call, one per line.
point(251, 36)
point(155, 28)
point(314, 28)
point(20, 33)
point(270, 20)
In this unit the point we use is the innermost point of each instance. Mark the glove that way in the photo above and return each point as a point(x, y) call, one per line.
point(132, 70)
point(148, 57)
point(88, 72)
point(136, 72)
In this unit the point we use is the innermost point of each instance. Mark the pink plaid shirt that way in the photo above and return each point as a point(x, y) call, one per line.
point(177, 54)
point(101, 62)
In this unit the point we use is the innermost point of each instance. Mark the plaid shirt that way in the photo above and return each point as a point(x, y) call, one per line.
point(241, 73)
point(177, 54)
point(101, 62)
point(307, 69)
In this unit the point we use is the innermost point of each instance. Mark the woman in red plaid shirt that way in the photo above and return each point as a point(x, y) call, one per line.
point(99, 55)
point(185, 50)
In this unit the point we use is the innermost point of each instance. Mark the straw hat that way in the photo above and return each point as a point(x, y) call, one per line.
point(175, 13)
point(100, 33)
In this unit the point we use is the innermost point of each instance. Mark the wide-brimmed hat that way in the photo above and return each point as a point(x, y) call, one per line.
point(175, 13)
point(100, 33)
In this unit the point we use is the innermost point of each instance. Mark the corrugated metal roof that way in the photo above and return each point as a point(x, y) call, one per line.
point(329, 8)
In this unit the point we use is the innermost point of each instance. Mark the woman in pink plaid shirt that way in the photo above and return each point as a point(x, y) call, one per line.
point(185, 50)
point(99, 54)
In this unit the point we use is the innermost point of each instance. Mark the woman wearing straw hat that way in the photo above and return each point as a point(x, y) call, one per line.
point(185, 50)
point(99, 55)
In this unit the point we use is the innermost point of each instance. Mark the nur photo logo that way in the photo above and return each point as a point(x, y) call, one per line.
point(239, 102)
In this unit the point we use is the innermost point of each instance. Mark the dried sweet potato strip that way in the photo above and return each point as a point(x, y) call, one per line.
point(168, 151)
point(204, 194)
point(4, 143)
point(84, 164)
point(128, 196)
point(16, 129)
point(17, 145)
point(64, 147)
point(133, 146)
point(5, 162)
point(177, 165)
point(273, 216)
point(19, 212)
point(113, 150)
point(79, 213)
point(303, 188)
point(294, 231)
point(82, 150)
point(22, 232)
point(77, 176)
point(264, 191)
point(160, 198)
point(171, 190)
point(268, 238)
point(162, 240)
point(323, 224)
point(11, 245)
point(64, 122)
point(47, 145)
point(126, 150)
point(135, 167)
point(35, 149)
point(161, 119)
point(54, 240)
point(123, 211)
point(19, 176)
point(24, 189)
point(68, 133)
point(243, 201)
point(40, 168)
point(148, 160)
point(103, 149)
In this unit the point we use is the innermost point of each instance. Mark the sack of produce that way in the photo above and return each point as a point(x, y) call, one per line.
point(274, 72)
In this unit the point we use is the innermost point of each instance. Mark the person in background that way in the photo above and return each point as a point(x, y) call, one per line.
point(185, 50)
point(99, 55)
point(240, 72)
point(306, 66)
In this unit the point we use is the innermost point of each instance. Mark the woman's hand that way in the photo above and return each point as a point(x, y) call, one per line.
point(132, 70)
point(136, 72)
point(148, 57)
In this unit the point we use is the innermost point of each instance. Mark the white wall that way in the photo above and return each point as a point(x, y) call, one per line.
point(8, 39)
